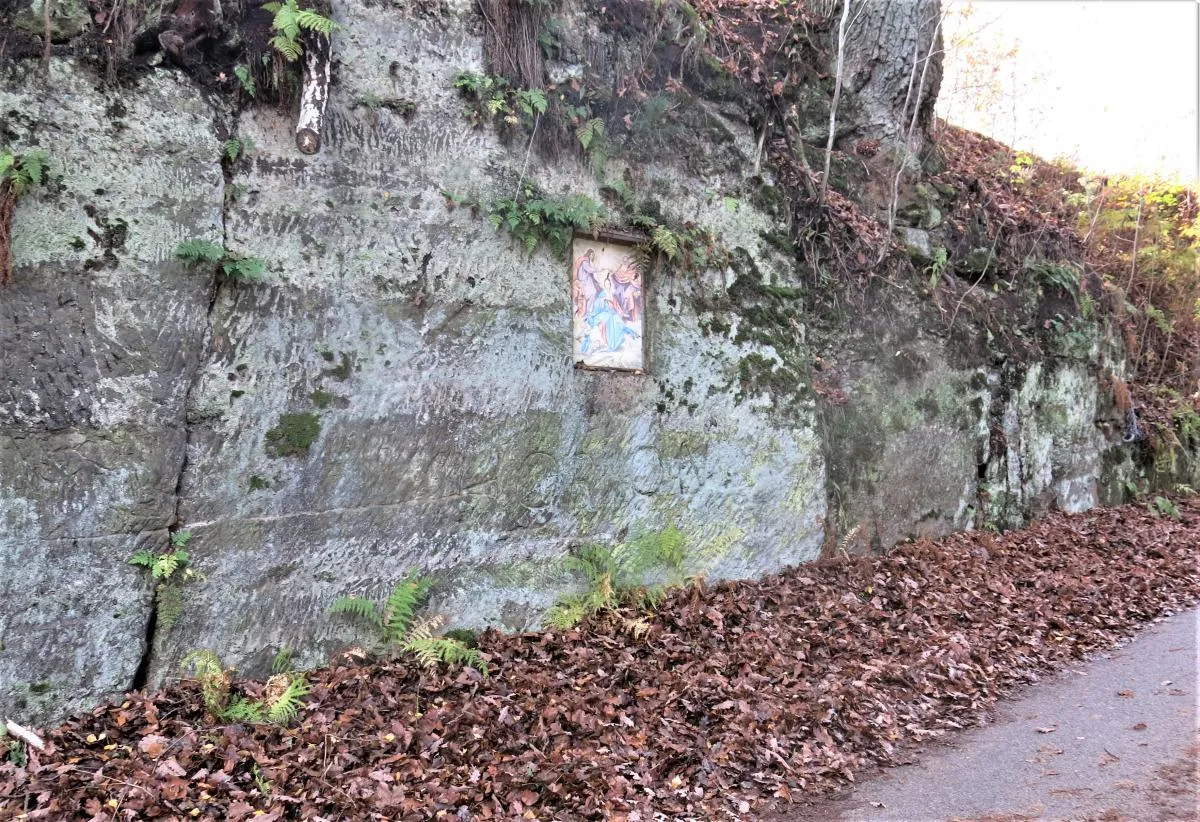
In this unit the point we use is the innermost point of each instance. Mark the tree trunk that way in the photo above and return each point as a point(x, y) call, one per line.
point(315, 94)
point(879, 67)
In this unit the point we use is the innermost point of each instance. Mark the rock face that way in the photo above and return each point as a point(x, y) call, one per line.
point(397, 393)
point(101, 335)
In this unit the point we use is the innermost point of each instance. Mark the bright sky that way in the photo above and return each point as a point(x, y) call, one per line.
point(1109, 84)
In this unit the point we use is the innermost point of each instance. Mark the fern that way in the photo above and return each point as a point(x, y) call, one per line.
point(289, 21)
point(237, 147)
point(401, 604)
point(589, 131)
point(531, 101)
point(617, 574)
point(246, 79)
point(167, 564)
point(392, 620)
point(22, 172)
point(245, 269)
point(432, 650)
point(249, 711)
point(284, 707)
point(180, 539)
point(665, 241)
point(142, 557)
point(214, 681)
point(359, 608)
point(199, 251)
point(567, 613)
point(162, 566)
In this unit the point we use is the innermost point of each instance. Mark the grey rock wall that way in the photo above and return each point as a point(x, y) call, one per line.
point(101, 333)
point(398, 393)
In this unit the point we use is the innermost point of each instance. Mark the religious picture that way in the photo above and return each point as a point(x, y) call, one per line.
point(608, 304)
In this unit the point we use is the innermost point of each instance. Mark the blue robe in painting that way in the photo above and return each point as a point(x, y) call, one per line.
point(604, 316)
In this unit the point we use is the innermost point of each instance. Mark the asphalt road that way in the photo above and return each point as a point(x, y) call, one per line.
point(1113, 738)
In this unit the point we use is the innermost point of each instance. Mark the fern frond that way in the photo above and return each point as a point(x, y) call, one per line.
point(214, 680)
point(312, 21)
point(589, 131)
point(566, 614)
point(287, 705)
point(245, 269)
point(246, 79)
point(430, 651)
point(198, 251)
point(167, 564)
point(142, 557)
point(289, 48)
point(249, 711)
point(665, 241)
point(636, 628)
point(180, 538)
point(359, 608)
point(424, 629)
point(400, 606)
point(30, 173)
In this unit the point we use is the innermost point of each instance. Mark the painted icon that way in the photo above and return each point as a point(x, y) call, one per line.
point(608, 301)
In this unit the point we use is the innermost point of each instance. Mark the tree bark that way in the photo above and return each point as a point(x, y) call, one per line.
point(883, 39)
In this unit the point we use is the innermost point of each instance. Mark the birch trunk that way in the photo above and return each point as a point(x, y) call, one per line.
point(315, 93)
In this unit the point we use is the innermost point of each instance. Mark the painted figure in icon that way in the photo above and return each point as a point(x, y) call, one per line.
point(608, 305)
point(607, 321)
point(585, 283)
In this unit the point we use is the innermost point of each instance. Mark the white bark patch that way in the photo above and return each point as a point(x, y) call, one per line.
point(315, 95)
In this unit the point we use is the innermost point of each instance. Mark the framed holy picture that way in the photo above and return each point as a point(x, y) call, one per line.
point(608, 303)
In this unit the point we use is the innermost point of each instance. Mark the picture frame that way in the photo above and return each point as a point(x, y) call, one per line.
point(608, 302)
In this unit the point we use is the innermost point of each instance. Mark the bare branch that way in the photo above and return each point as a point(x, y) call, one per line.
point(25, 735)
point(837, 93)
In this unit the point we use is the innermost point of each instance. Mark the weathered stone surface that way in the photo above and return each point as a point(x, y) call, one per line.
point(100, 331)
point(68, 18)
point(398, 393)
point(460, 441)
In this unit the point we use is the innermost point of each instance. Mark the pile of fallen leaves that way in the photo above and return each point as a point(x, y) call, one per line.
point(741, 696)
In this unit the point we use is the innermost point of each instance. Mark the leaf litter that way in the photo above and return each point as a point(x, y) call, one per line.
point(741, 696)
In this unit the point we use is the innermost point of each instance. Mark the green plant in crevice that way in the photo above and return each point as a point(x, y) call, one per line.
point(492, 99)
point(615, 575)
point(246, 79)
point(532, 218)
point(687, 246)
point(236, 148)
point(289, 21)
point(231, 264)
point(394, 622)
point(164, 566)
point(19, 174)
point(1062, 276)
point(171, 570)
point(937, 266)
